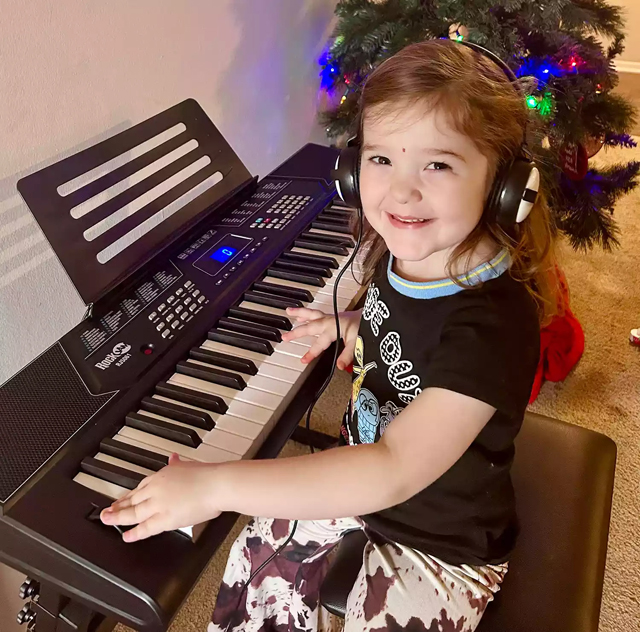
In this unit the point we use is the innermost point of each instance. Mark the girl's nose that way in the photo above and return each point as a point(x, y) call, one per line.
point(404, 190)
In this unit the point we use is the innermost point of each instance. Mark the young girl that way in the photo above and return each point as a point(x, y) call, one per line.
point(444, 355)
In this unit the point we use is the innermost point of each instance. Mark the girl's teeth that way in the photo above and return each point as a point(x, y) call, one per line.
point(409, 221)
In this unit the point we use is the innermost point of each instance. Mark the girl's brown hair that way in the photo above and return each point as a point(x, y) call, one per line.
point(482, 104)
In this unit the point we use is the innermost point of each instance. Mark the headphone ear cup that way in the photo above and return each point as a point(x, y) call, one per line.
point(347, 176)
point(514, 192)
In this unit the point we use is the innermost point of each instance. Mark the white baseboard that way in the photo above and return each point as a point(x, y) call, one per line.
point(627, 66)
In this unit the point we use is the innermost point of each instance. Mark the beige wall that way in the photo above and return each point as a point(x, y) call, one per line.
point(72, 73)
point(632, 18)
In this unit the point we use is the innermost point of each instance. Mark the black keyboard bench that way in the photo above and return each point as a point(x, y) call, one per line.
point(563, 477)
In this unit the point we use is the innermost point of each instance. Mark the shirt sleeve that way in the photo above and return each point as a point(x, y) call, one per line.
point(490, 352)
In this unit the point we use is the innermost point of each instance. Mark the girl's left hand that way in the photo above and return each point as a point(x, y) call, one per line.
point(179, 495)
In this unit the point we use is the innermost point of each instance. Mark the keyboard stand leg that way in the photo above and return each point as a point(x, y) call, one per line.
point(317, 440)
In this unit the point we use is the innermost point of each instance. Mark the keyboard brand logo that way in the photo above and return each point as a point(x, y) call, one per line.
point(119, 356)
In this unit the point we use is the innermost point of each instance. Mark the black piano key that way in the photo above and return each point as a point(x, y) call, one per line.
point(211, 374)
point(314, 260)
point(328, 239)
point(241, 341)
point(251, 329)
point(242, 365)
point(335, 227)
point(295, 293)
point(133, 454)
point(186, 415)
point(111, 473)
point(298, 277)
point(272, 301)
point(164, 429)
point(339, 205)
point(255, 316)
point(283, 264)
point(321, 247)
point(208, 401)
point(336, 215)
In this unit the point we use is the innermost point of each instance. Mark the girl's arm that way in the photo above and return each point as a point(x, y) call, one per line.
point(421, 443)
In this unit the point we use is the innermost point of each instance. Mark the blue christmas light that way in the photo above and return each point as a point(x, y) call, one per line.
point(329, 70)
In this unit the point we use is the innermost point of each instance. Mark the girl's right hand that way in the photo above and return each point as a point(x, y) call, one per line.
point(313, 322)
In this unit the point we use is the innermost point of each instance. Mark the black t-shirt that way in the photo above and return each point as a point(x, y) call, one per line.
point(482, 342)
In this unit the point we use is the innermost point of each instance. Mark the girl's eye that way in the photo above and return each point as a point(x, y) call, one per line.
point(380, 160)
point(438, 166)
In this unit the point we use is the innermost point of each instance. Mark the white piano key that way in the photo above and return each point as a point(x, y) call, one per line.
point(204, 453)
point(243, 447)
point(325, 303)
point(242, 428)
point(265, 309)
point(144, 446)
point(110, 490)
point(292, 349)
point(260, 382)
point(277, 359)
point(132, 467)
point(248, 395)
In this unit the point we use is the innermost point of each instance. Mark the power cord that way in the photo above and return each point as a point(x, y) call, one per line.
point(311, 406)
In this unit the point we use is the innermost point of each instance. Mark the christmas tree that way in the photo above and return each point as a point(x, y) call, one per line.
point(558, 43)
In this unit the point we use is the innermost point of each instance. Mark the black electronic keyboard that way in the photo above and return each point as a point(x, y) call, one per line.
point(187, 264)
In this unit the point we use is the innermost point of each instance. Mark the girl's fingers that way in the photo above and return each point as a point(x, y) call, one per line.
point(133, 514)
point(153, 525)
point(346, 357)
point(311, 328)
point(304, 313)
point(321, 343)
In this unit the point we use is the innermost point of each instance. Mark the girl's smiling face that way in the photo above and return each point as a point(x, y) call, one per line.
point(423, 186)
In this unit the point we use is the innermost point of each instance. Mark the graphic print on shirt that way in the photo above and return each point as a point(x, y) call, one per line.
point(391, 354)
point(367, 413)
point(375, 311)
point(359, 369)
point(388, 412)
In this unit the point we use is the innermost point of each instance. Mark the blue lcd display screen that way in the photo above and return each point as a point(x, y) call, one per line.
point(223, 254)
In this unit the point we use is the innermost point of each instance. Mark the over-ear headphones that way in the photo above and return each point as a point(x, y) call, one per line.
point(514, 188)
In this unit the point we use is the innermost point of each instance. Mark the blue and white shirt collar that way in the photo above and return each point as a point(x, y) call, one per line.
point(445, 287)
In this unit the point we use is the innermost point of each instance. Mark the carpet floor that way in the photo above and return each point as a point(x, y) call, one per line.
point(602, 393)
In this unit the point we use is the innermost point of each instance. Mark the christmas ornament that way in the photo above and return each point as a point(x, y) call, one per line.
point(593, 144)
point(574, 161)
